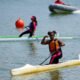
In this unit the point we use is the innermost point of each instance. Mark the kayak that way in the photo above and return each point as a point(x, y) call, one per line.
point(34, 38)
point(59, 8)
point(29, 69)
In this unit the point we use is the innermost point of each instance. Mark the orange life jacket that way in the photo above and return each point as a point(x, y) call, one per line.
point(54, 45)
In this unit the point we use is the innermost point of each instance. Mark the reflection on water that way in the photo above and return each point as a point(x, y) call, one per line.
point(77, 12)
point(24, 77)
point(55, 75)
point(32, 47)
point(27, 77)
point(58, 14)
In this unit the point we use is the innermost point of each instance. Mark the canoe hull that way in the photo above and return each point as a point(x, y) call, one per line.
point(30, 39)
point(28, 69)
point(58, 8)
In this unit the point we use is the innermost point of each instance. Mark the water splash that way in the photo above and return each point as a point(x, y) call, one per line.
point(77, 11)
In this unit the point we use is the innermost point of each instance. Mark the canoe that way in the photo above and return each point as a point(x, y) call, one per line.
point(59, 8)
point(34, 38)
point(16, 38)
point(29, 69)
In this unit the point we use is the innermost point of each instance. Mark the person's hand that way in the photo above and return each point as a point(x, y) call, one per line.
point(25, 26)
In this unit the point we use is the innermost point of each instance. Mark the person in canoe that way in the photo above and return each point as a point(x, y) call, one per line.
point(54, 47)
point(59, 2)
point(31, 28)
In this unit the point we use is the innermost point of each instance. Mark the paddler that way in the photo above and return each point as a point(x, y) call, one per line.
point(59, 2)
point(31, 28)
point(54, 47)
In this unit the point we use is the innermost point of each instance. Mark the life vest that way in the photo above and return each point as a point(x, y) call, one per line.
point(54, 45)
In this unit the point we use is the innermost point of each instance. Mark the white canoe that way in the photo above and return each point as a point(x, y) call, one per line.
point(59, 8)
point(28, 69)
point(20, 39)
point(15, 38)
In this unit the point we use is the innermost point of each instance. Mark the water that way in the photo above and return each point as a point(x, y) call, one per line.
point(16, 54)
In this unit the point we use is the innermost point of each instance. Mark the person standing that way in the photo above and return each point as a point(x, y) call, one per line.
point(31, 28)
point(54, 46)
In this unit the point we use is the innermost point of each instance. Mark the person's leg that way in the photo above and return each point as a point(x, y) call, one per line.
point(25, 32)
point(55, 58)
point(31, 34)
point(56, 61)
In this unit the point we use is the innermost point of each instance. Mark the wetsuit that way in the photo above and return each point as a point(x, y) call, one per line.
point(55, 50)
point(30, 31)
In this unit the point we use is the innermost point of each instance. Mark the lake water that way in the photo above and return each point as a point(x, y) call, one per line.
point(18, 53)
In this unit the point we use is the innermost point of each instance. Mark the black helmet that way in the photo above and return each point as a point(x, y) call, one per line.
point(54, 32)
point(33, 17)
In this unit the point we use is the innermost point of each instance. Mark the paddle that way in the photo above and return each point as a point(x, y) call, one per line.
point(47, 58)
point(44, 60)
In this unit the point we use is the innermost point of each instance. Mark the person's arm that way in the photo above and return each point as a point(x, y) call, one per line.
point(28, 27)
point(61, 43)
point(44, 41)
point(34, 23)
